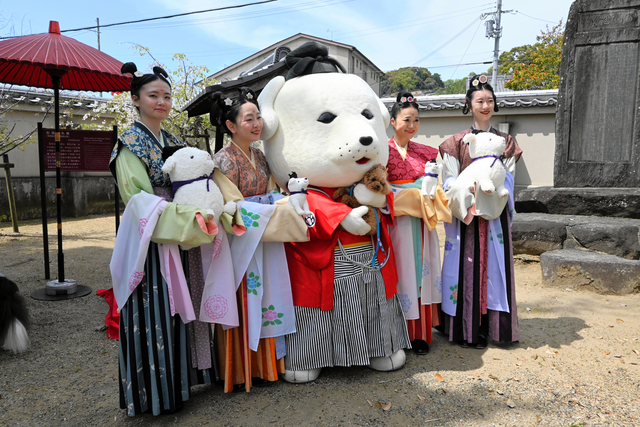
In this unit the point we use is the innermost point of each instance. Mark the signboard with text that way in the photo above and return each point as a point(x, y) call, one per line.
point(80, 150)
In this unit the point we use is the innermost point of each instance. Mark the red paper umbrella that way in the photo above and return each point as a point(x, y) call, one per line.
point(55, 61)
point(33, 60)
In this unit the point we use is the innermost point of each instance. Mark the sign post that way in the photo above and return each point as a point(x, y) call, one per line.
point(71, 151)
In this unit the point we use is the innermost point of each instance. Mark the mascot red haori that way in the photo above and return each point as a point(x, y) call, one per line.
point(330, 128)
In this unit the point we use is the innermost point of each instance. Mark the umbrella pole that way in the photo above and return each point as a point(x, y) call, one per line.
point(56, 87)
point(60, 286)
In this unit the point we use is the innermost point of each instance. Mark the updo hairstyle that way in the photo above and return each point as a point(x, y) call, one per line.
point(140, 79)
point(403, 100)
point(227, 108)
point(477, 83)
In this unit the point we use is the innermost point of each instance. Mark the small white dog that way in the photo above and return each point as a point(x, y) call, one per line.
point(487, 169)
point(190, 171)
point(298, 194)
point(432, 172)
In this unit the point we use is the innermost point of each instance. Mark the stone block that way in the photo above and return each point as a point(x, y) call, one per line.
point(603, 273)
point(535, 234)
point(605, 202)
point(617, 238)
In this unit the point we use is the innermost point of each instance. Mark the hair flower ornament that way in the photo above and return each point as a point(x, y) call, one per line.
point(249, 95)
point(138, 74)
point(407, 99)
point(228, 102)
point(483, 79)
point(475, 82)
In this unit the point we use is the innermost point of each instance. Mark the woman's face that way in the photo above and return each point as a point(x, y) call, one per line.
point(406, 123)
point(154, 102)
point(248, 125)
point(482, 105)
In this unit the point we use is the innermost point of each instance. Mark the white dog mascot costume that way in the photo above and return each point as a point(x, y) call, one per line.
point(330, 128)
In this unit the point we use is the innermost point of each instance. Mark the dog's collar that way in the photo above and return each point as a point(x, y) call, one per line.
point(303, 191)
point(495, 158)
point(177, 184)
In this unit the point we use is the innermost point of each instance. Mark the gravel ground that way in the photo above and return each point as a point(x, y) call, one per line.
point(577, 363)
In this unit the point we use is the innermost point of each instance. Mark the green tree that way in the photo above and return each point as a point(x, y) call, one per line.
point(536, 66)
point(453, 86)
point(411, 79)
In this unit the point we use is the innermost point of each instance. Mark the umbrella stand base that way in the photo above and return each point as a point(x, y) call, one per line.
point(43, 295)
point(66, 287)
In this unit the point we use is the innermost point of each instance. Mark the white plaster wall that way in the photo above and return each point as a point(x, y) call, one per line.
point(533, 129)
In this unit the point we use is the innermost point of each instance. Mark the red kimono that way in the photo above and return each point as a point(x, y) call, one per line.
point(311, 264)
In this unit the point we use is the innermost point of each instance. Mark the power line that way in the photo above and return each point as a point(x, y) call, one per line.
point(175, 16)
point(163, 17)
point(427, 20)
point(532, 17)
point(447, 42)
point(467, 49)
point(244, 15)
point(458, 65)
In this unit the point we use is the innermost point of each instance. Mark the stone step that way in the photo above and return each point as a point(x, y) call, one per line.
point(605, 202)
point(603, 273)
point(536, 233)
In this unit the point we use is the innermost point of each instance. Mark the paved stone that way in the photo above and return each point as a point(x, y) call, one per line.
point(574, 269)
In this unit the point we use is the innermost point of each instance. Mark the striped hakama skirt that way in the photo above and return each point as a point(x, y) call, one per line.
point(155, 356)
point(363, 323)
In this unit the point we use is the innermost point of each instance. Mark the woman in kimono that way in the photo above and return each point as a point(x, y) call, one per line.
point(415, 239)
point(247, 173)
point(479, 299)
point(158, 358)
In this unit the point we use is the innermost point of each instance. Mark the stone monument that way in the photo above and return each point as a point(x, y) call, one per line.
point(586, 227)
point(596, 167)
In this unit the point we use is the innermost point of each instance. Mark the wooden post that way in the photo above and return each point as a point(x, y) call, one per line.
point(12, 199)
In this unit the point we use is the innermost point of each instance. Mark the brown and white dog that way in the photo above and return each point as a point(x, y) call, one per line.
point(14, 317)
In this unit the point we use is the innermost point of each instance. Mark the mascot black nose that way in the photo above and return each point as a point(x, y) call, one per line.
point(366, 140)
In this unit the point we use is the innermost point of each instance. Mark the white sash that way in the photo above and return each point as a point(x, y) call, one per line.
point(132, 244)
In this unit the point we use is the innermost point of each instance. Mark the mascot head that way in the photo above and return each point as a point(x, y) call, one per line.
point(326, 126)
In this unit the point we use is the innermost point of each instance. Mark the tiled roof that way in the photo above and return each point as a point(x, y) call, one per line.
point(512, 99)
point(30, 96)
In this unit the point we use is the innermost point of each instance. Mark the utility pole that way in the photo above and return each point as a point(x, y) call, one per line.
point(98, 33)
point(494, 31)
point(496, 48)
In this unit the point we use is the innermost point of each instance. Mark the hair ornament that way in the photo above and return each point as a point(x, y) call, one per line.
point(138, 74)
point(483, 79)
point(475, 82)
point(228, 101)
point(407, 99)
point(249, 95)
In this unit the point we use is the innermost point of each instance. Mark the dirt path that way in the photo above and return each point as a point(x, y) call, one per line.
point(577, 362)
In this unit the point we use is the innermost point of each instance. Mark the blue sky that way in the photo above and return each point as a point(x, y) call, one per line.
point(391, 33)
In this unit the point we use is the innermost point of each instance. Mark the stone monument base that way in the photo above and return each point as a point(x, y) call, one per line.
point(609, 202)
